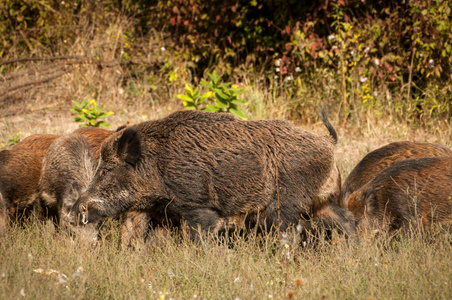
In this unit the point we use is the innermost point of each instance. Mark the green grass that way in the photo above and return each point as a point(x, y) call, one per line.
point(40, 264)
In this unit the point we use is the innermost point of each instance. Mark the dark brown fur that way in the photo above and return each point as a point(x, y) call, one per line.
point(378, 160)
point(210, 168)
point(20, 168)
point(415, 190)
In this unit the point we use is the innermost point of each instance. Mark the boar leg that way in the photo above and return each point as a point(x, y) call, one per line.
point(135, 226)
point(202, 221)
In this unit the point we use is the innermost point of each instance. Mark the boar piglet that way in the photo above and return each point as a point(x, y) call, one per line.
point(68, 168)
point(416, 191)
point(208, 169)
point(378, 160)
point(20, 169)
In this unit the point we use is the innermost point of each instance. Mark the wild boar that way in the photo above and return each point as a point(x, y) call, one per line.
point(416, 191)
point(37, 142)
point(67, 168)
point(210, 169)
point(20, 169)
point(378, 160)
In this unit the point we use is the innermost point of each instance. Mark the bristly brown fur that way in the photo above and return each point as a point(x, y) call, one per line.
point(378, 160)
point(20, 169)
point(416, 191)
point(208, 168)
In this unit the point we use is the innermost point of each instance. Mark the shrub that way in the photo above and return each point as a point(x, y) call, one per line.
point(90, 113)
point(222, 97)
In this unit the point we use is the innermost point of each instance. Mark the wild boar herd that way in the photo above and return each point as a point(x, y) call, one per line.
point(215, 172)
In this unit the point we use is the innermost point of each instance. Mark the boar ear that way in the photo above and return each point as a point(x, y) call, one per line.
point(129, 146)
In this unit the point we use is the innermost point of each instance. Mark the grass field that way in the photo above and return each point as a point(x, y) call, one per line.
point(39, 263)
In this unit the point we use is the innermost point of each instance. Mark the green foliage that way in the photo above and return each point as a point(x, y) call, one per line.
point(221, 96)
point(14, 139)
point(35, 25)
point(89, 112)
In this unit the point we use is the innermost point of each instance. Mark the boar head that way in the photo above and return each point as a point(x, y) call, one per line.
point(124, 180)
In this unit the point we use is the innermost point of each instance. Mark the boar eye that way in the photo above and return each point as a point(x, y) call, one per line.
point(103, 172)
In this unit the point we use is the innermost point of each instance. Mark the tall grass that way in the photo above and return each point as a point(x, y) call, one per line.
point(39, 264)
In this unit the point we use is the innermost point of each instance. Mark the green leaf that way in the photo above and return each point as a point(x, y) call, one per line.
point(221, 103)
point(239, 102)
point(222, 95)
point(214, 77)
point(211, 108)
point(188, 88)
point(184, 97)
point(238, 113)
point(105, 114)
point(189, 104)
point(204, 97)
point(77, 103)
point(76, 110)
point(102, 124)
point(207, 84)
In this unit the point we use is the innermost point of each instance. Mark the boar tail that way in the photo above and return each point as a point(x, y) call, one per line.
point(328, 125)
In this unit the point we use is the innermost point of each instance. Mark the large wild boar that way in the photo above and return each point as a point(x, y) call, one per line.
point(211, 169)
point(416, 191)
point(20, 168)
point(378, 160)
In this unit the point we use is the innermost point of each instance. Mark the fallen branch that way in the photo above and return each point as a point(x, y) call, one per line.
point(41, 71)
point(53, 58)
point(30, 83)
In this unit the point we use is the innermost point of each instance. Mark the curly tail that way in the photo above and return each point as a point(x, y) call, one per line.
point(328, 125)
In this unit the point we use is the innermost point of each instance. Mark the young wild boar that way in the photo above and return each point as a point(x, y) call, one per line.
point(20, 168)
point(67, 168)
point(378, 160)
point(415, 190)
point(37, 142)
point(211, 169)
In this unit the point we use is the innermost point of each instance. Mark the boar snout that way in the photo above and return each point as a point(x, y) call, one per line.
point(84, 211)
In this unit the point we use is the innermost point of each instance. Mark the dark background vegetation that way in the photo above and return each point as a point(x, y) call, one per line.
point(362, 55)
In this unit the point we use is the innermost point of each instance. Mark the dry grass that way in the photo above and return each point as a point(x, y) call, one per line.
point(37, 263)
